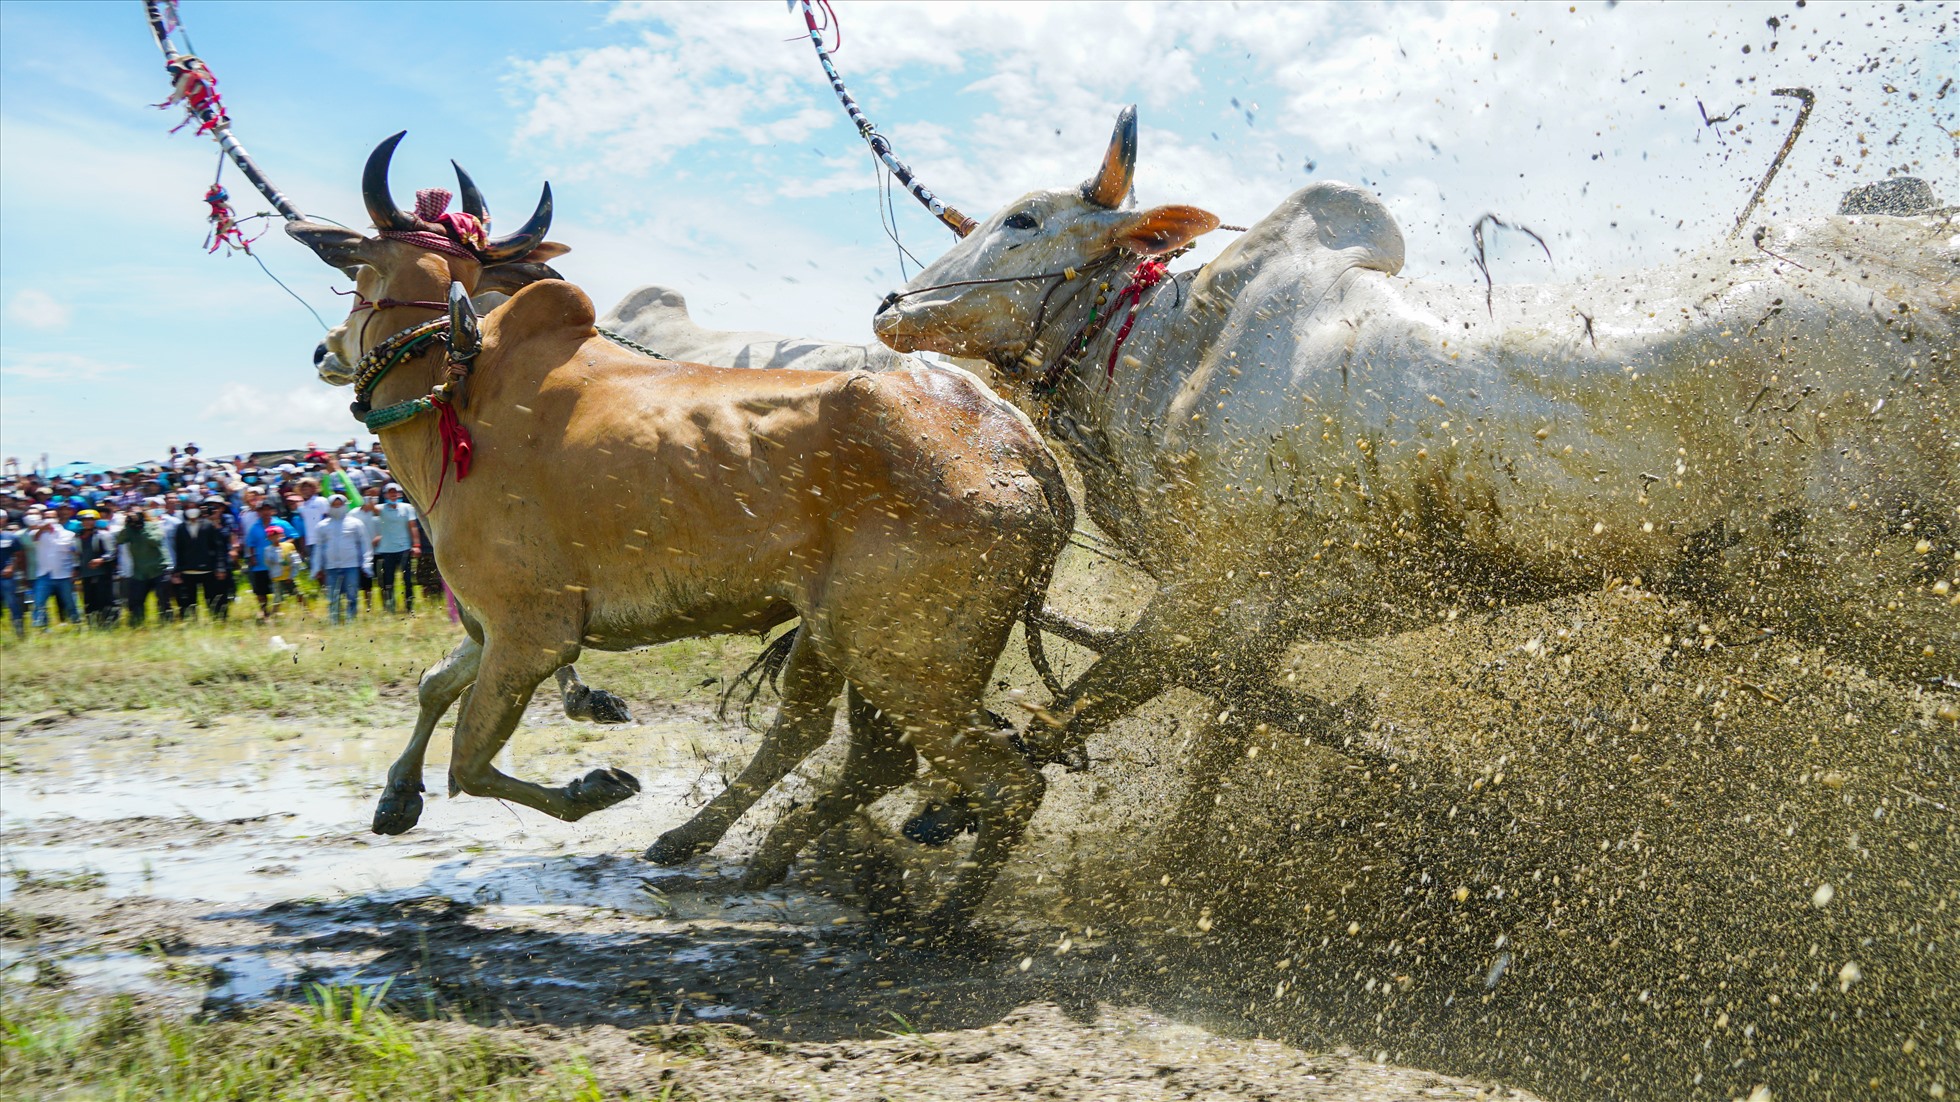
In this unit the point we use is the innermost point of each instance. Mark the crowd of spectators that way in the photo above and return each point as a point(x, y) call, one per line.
point(95, 548)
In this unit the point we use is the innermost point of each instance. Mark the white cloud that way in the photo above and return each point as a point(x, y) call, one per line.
point(1582, 123)
point(269, 417)
point(59, 367)
point(36, 309)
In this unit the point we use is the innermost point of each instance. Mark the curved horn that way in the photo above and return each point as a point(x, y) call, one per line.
point(1110, 186)
point(374, 189)
point(528, 236)
point(472, 196)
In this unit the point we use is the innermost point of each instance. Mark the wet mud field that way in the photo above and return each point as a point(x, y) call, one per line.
point(1600, 847)
point(216, 869)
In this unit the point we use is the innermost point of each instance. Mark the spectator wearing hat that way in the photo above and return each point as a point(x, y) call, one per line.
point(54, 571)
point(396, 543)
point(343, 552)
point(203, 563)
point(222, 509)
point(95, 568)
point(369, 509)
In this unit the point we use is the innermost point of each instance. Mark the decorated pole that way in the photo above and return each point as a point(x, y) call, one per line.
point(193, 85)
point(959, 223)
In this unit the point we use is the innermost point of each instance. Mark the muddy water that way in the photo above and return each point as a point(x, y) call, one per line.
point(213, 868)
point(245, 813)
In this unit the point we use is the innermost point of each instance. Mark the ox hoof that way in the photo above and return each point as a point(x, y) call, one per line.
point(398, 811)
point(672, 849)
point(604, 707)
point(761, 877)
point(939, 823)
point(601, 788)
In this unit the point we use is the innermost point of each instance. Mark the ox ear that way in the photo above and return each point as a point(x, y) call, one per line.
point(337, 245)
point(513, 276)
point(1161, 229)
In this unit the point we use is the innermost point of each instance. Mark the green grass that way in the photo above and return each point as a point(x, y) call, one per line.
point(366, 671)
point(346, 1044)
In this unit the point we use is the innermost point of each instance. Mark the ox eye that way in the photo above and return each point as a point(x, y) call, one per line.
point(1021, 221)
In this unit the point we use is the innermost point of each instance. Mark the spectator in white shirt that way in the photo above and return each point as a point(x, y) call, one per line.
point(342, 555)
point(54, 571)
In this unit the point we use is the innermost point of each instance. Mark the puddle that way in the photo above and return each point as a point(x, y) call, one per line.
point(195, 832)
point(245, 812)
point(217, 868)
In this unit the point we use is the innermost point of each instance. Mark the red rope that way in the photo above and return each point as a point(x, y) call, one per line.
point(225, 230)
point(456, 445)
point(1148, 274)
point(829, 23)
point(193, 85)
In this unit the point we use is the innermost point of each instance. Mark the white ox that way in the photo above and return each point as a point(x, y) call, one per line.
point(1297, 442)
point(657, 317)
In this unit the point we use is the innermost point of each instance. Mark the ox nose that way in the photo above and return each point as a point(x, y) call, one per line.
point(319, 353)
point(890, 301)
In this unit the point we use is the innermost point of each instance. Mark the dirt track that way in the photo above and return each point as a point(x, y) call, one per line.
point(220, 868)
point(1597, 847)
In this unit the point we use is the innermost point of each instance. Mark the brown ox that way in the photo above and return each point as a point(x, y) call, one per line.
point(906, 518)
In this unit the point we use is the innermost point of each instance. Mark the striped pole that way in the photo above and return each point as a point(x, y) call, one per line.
point(959, 223)
point(219, 126)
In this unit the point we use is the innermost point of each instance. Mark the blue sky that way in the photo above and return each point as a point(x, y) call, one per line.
point(698, 145)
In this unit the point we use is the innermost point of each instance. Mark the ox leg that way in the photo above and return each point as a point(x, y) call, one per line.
point(809, 686)
point(1003, 788)
point(1133, 671)
point(584, 702)
point(401, 800)
point(509, 673)
point(879, 761)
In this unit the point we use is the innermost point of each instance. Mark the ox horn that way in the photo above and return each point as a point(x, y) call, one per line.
point(528, 236)
point(374, 189)
point(471, 196)
point(1110, 186)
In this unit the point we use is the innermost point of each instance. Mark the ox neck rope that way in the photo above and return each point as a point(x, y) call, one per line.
point(1149, 272)
point(410, 342)
point(397, 349)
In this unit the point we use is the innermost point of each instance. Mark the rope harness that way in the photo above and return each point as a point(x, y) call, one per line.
point(1148, 273)
point(457, 446)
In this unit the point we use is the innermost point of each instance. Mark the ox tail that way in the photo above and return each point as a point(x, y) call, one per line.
point(1055, 489)
point(766, 669)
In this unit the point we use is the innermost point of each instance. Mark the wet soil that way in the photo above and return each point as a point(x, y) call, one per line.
point(214, 869)
point(1598, 847)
